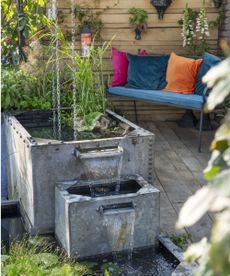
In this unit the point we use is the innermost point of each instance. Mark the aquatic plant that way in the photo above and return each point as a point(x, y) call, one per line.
point(90, 74)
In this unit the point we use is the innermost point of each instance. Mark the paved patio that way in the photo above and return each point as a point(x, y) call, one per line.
point(178, 172)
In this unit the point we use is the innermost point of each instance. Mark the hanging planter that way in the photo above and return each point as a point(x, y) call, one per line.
point(217, 3)
point(138, 33)
point(161, 6)
point(138, 21)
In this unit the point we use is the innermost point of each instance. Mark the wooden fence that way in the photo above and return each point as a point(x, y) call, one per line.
point(162, 36)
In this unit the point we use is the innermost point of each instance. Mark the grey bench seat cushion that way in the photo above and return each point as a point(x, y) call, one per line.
point(191, 101)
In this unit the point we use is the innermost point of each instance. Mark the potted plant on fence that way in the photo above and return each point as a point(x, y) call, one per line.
point(138, 21)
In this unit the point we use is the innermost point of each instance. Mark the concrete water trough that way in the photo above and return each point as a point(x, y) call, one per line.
point(36, 164)
point(92, 220)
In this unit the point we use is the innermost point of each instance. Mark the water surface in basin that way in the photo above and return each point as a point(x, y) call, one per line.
point(40, 125)
point(101, 190)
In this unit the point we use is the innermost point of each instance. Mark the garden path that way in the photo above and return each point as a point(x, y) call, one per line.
point(179, 172)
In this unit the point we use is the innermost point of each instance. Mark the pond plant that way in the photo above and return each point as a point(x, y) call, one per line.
point(138, 21)
point(213, 254)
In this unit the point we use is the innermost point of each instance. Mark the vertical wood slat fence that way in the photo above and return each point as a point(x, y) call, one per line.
point(162, 36)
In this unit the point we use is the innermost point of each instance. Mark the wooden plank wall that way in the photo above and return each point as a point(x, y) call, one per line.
point(162, 36)
point(225, 29)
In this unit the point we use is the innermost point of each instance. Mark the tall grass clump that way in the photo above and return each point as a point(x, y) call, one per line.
point(37, 256)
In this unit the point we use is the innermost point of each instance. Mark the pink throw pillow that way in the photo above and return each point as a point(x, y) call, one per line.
point(120, 66)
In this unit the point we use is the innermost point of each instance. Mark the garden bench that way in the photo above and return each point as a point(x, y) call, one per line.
point(194, 101)
point(191, 101)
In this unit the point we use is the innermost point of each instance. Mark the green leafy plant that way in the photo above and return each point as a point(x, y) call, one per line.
point(37, 256)
point(111, 269)
point(181, 240)
point(20, 21)
point(138, 20)
point(23, 91)
point(213, 254)
point(87, 16)
point(29, 85)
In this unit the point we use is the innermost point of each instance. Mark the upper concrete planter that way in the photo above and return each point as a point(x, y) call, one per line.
point(35, 165)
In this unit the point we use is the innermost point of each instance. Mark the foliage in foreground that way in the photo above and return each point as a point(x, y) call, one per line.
point(213, 255)
point(20, 20)
point(36, 256)
point(41, 257)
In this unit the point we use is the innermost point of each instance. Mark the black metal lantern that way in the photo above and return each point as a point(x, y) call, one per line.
point(217, 3)
point(161, 6)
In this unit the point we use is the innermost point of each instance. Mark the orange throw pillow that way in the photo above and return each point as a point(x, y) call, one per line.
point(181, 74)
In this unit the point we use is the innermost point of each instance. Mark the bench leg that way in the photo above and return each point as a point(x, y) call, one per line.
point(200, 129)
point(135, 110)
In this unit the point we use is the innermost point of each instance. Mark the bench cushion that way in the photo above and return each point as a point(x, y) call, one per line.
point(157, 96)
point(209, 61)
point(147, 72)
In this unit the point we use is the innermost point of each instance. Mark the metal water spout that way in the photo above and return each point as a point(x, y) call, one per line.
point(93, 160)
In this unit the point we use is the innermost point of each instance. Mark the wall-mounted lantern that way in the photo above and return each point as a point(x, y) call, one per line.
point(86, 40)
point(217, 3)
point(161, 6)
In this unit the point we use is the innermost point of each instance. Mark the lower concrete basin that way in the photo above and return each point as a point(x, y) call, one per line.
point(92, 220)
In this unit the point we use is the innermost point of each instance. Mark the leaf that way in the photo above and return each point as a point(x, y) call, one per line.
point(219, 78)
point(195, 207)
point(46, 259)
point(205, 199)
point(196, 250)
point(221, 183)
point(226, 156)
point(220, 244)
point(213, 168)
point(4, 258)
point(90, 120)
